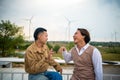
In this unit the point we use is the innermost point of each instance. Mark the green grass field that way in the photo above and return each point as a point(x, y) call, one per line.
point(107, 54)
point(111, 57)
point(110, 53)
point(108, 57)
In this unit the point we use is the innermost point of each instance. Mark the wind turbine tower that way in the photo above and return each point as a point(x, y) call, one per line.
point(30, 22)
point(69, 26)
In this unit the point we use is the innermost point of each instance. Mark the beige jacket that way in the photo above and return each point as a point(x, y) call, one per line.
point(36, 60)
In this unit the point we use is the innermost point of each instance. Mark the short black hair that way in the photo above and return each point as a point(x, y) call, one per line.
point(37, 31)
point(85, 33)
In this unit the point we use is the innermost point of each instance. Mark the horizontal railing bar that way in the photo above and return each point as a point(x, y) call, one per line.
point(27, 73)
point(62, 74)
point(66, 74)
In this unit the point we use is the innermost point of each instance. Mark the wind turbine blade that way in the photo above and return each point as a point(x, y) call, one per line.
point(67, 19)
point(26, 19)
point(75, 21)
point(31, 18)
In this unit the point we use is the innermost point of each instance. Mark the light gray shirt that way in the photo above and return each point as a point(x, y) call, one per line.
point(96, 59)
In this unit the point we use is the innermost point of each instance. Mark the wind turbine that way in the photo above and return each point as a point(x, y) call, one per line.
point(30, 22)
point(69, 27)
point(115, 34)
point(69, 22)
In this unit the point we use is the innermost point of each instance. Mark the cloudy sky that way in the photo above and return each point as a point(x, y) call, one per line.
point(100, 17)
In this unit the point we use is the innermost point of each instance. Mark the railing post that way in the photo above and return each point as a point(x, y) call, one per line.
point(111, 77)
point(22, 76)
point(11, 76)
point(67, 77)
point(10, 64)
point(1, 76)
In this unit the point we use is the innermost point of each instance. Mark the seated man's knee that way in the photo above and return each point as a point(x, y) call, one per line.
point(42, 78)
point(53, 75)
point(38, 77)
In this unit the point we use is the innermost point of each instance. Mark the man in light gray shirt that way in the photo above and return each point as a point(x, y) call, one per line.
point(87, 59)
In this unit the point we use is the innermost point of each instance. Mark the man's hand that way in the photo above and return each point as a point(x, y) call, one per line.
point(62, 49)
point(60, 71)
point(50, 54)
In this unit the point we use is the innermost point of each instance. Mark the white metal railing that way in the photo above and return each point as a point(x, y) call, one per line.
point(10, 60)
point(111, 77)
point(61, 61)
point(11, 77)
point(66, 76)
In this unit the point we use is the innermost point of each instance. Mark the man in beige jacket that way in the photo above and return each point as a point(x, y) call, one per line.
point(38, 59)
